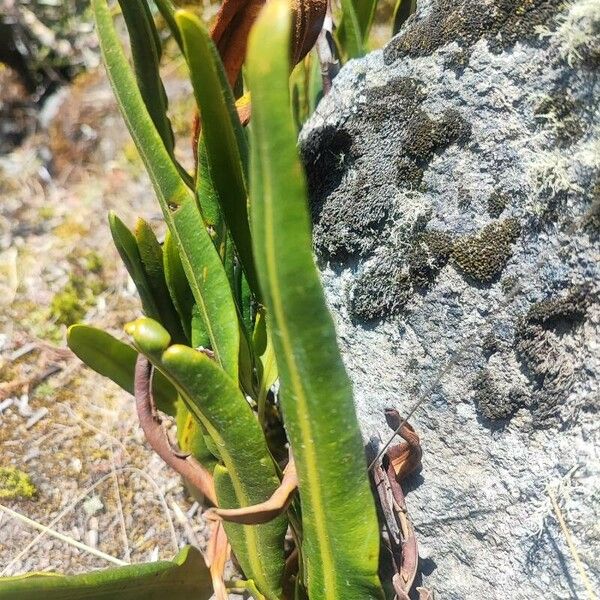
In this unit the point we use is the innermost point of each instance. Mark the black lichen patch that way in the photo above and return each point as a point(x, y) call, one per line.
point(557, 314)
point(592, 216)
point(458, 61)
point(393, 101)
point(380, 291)
point(384, 289)
point(496, 203)
point(482, 257)
point(465, 199)
point(501, 22)
point(350, 212)
point(490, 345)
point(343, 223)
point(561, 112)
point(538, 348)
point(423, 137)
point(492, 403)
point(326, 155)
point(428, 256)
point(408, 173)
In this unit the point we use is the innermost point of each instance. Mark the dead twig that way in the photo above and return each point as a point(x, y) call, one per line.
point(571, 544)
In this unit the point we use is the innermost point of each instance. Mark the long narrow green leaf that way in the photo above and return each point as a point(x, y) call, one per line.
point(402, 10)
point(224, 413)
point(167, 10)
point(146, 51)
point(355, 23)
point(191, 436)
point(112, 358)
point(181, 295)
point(151, 254)
point(200, 260)
point(221, 133)
point(340, 528)
point(349, 35)
point(127, 247)
point(183, 578)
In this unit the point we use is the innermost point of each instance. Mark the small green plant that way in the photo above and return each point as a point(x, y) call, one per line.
point(232, 304)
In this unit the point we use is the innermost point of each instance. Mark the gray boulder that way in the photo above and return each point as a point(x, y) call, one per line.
point(455, 190)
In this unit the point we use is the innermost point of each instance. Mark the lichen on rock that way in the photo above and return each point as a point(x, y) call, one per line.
point(458, 241)
point(483, 256)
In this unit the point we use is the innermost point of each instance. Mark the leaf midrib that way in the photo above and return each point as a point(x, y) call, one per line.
point(313, 485)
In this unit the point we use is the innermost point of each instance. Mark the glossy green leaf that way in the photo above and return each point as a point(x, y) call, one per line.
point(340, 529)
point(177, 283)
point(151, 254)
point(266, 365)
point(191, 436)
point(349, 35)
point(200, 260)
point(167, 10)
point(114, 359)
point(146, 52)
point(183, 578)
point(221, 133)
point(402, 10)
point(127, 247)
point(225, 414)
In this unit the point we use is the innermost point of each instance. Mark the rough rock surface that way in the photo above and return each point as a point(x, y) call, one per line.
point(455, 189)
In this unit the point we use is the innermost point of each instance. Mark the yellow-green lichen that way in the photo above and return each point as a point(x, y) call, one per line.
point(483, 256)
point(15, 483)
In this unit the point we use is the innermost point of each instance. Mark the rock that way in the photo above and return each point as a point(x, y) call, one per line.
point(455, 191)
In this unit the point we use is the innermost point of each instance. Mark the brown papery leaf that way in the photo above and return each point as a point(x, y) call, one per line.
point(217, 555)
point(265, 511)
point(236, 17)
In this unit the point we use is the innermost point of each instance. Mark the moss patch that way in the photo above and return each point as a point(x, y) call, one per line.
point(70, 304)
point(424, 136)
point(482, 257)
point(492, 404)
point(501, 22)
point(15, 483)
point(496, 203)
point(538, 348)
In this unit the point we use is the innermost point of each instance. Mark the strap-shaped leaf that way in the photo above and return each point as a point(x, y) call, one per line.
point(402, 10)
point(112, 358)
point(146, 52)
point(183, 578)
point(350, 33)
point(224, 413)
point(151, 254)
point(200, 260)
point(181, 295)
point(142, 255)
point(221, 133)
point(127, 247)
point(191, 436)
point(340, 530)
point(167, 10)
